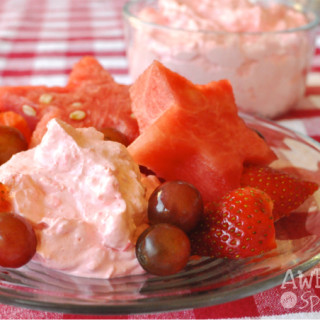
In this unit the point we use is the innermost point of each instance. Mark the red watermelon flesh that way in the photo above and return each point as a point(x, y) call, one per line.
point(197, 135)
point(14, 98)
point(41, 128)
point(88, 71)
point(152, 97)
point(104, 106)
point(91, 90)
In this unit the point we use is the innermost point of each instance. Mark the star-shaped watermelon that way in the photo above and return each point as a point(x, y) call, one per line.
point(91, 98)
point(193, 132)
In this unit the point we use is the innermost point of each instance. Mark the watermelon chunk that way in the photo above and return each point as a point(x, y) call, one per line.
point(194, 132)
point(92, 92)
point(151, 98)
point(88, 71)
point(26, 101)
point(91, 98)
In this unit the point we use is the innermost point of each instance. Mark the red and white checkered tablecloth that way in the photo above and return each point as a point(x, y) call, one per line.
point(40, 40)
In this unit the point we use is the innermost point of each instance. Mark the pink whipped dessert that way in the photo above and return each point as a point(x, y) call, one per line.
point(243, 41)
point(85, 199)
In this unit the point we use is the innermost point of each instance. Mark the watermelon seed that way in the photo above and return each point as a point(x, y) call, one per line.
point(29, 111)
point(77, 115)
point(45, 98)
point(76, 105)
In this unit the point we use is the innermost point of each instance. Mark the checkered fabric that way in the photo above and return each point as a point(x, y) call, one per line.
point(40, 40)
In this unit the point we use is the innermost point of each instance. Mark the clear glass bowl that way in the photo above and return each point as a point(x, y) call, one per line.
point(267, 69)
point(204, 282)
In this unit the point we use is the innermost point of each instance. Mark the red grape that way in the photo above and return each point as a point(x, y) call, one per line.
point(114, 135)
point(176, 202)
point(17, 240)
point(11, 142)
point(163, 249)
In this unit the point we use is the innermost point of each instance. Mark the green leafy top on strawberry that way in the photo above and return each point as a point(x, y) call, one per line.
point(286, 191)
point(239, 226)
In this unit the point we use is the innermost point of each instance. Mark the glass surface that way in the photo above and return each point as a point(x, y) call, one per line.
point(205, 281)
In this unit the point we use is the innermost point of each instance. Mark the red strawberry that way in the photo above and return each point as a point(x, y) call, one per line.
point(286, 191)
point(200, 236)
point(241, 226)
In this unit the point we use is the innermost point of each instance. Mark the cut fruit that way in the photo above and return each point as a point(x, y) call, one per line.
point(194, 133)
point(91, 99)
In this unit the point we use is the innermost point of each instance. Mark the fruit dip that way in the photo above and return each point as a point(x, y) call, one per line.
point(243, 41)
point(91, 238)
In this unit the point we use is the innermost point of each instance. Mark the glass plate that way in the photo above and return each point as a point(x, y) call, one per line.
point(205, 281)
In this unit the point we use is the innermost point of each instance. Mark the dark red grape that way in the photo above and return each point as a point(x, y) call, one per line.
point(114, 135)
point(18, 241)
point(11, 141)
point(163, 249)
point(176, 202)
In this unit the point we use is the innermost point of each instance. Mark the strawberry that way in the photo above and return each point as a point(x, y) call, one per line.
point(241, 225)
point(286, 191)
point(200, 236)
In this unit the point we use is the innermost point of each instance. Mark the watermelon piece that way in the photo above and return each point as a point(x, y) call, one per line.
point(41, 128)
point(26, 101)
point(91, 99)
point(194, 132)
point(88, 71)
point(151, 98)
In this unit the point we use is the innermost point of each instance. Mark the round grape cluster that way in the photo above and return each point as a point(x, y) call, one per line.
point(174, 209)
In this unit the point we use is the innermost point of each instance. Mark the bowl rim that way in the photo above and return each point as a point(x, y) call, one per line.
point(135, 19)
point(170, 304)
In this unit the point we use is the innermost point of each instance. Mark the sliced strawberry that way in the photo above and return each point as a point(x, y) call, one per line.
point(287, 191)
point(241, 226)
point(200, 237)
